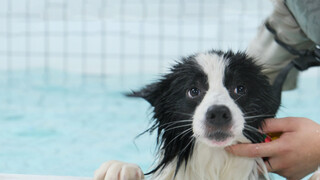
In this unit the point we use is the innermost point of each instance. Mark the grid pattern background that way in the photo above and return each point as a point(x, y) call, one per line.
point(55, 54)
point(105, 37)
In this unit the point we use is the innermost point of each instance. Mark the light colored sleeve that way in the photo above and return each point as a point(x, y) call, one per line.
point(269, 53)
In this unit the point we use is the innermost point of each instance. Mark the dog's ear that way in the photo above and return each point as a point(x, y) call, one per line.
point(148, 93)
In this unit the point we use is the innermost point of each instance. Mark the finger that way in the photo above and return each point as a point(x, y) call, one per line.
point(272, 164)
point(268, 165)
point(279, 125)
point(277, 164)
point(254, 150)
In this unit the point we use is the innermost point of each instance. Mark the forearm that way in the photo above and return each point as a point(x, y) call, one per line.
point(269, 53)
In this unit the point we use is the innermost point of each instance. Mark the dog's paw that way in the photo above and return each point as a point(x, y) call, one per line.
point(117, 170)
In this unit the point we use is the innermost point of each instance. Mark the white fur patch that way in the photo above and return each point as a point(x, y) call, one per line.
point(209, 163)
point(217, 94)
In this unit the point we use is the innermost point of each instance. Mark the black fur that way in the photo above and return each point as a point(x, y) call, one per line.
point(168, 98)
point(260, 99)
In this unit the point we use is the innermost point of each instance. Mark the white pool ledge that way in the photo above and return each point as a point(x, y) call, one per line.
point(39, 177)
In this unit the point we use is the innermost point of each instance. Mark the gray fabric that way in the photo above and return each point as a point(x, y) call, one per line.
point(307, 14)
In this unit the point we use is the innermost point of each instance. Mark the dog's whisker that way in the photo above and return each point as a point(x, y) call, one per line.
point(169, 124)
point(252, 129)
point(247, 135)
point(182, 134)
point(259, 116)
point(185, 148)
point(246, 113)
point(249, 126)
point(238, 98)
point(253, 132)
point(251, 119)
point(195, 136)
point(188, 114)
point(177, 127)
point(186, 132)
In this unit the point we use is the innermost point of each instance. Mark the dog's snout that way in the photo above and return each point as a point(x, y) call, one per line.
point(218, 115)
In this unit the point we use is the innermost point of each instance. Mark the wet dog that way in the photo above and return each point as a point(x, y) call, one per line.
point(206, 102)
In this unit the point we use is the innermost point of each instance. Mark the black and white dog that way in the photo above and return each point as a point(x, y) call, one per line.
point(207, 102)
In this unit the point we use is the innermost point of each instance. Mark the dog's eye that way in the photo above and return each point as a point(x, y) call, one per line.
point(193, 92)
point(241, 90)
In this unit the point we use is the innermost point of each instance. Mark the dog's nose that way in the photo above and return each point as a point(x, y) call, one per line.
point(218, 115)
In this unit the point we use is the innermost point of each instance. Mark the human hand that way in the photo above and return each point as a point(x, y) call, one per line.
point(294, 155)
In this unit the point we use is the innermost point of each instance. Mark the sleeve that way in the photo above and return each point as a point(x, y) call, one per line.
point(307, 15)
point(269, 53)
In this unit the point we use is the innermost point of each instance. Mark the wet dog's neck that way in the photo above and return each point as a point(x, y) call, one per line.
point(208, 163)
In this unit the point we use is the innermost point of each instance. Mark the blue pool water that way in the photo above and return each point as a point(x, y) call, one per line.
point(53, 125)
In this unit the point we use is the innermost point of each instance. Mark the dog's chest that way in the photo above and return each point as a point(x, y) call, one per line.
point(212, 164)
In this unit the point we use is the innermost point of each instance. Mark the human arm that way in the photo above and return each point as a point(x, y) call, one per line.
point(272, 56)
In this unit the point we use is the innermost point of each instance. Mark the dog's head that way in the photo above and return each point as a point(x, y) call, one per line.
point(216, 98)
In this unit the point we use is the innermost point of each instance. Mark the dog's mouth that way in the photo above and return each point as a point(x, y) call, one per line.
point(219, 137)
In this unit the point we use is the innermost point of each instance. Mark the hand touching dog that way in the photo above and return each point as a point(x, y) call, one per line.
point(294, 155)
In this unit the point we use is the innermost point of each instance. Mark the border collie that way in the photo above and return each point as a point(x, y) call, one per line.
point(206, 102)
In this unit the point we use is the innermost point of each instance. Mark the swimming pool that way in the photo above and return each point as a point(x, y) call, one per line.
point(64, 66)
point(70, 126)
